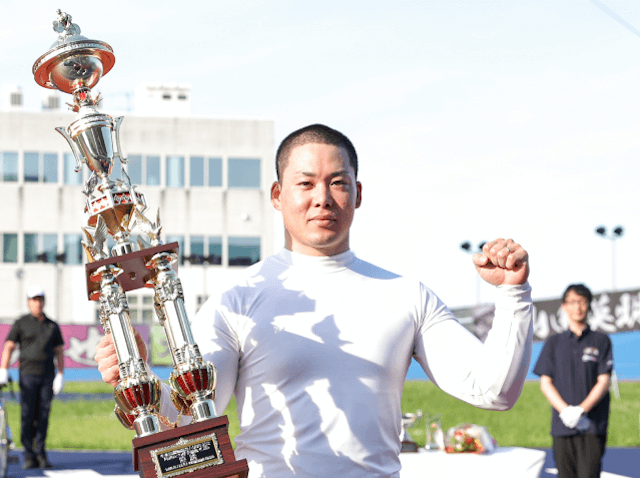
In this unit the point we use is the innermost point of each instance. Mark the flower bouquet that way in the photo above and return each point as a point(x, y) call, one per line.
point(469, 438)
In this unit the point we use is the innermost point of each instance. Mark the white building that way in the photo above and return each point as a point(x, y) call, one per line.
point(210, 178)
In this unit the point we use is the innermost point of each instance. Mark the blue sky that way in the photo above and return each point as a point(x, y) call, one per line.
point(472, 120)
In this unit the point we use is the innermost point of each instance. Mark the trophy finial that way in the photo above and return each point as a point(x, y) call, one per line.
point(73, 62)
point(64, 26)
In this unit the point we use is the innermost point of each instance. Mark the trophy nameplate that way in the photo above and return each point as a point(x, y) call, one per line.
point(74, 64)
point(191, 450)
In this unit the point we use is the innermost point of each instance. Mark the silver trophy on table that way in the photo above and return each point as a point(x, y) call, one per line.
point(409, 420)
point(435, 436)
point(114, 208)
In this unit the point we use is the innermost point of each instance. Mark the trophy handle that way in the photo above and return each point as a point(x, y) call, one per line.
point(74, 148)
point(117, 153)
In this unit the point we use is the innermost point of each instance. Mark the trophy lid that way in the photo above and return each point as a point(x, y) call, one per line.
point(73, 61)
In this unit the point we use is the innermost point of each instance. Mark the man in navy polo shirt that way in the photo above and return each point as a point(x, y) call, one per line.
point(575, 368)
point(41, 346)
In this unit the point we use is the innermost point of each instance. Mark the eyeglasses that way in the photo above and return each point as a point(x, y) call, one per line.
point(577, 302)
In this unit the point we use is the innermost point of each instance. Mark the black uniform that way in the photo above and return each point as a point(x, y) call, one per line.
point(38, 342)
point(574, 364)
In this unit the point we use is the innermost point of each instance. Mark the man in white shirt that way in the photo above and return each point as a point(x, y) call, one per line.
point(315, 343)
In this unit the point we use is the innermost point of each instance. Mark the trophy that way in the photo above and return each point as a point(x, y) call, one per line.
point(74, 64)
point(435, 436)
point(409, 420)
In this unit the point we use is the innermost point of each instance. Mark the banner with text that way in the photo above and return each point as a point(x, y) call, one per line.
point(611, 312)
point(79, 343)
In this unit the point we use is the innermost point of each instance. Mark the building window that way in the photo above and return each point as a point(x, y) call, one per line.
point(180, 241)
point(196, 246)
point(196, 171)
point(152, 171)
point(134, 168)
point(205, 250)
point(72, 249)
point(215, 250)
point(9, 248)
point(16, 99)
point(49, 248)
point(144, 169)
point(215, 172)
point(244, 173)
point(50, 167)
point(51, 103)
point(30, 248)
point(134, 314)
point(70, 176)
point(141, 308)
point(41, 168)
point(175, 171)
point(31, 167)
point(205, 173)
point(40, 248)
point(148, 313)
point(9, 166)
point(244, 251)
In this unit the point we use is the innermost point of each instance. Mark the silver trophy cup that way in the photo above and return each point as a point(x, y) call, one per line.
point(409, 420)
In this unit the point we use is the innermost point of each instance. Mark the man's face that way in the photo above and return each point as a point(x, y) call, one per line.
point(36, 305)
point(576, 307)
point(317, 196)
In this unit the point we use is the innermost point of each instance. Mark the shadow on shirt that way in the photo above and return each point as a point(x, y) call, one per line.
point(303, 391)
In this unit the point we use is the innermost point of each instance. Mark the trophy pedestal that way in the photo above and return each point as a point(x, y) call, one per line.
point(198, 450)
point(409, 447)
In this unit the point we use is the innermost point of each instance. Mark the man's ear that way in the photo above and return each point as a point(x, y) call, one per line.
point(275, 195)
point(358, 193)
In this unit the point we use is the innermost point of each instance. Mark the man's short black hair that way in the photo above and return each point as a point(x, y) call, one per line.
point(315, 133)
point(580, 289)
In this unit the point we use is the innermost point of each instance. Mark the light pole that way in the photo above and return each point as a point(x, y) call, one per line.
point(468, 248)
point(615, 234)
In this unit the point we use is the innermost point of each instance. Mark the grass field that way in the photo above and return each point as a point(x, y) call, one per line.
point(91, 424)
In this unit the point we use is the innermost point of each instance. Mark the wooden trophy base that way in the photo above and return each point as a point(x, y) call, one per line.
point(198, 450)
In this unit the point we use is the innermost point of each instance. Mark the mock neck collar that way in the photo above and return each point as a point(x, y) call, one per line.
point(320, 263)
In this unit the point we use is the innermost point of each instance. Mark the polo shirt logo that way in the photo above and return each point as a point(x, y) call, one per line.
point(590, 354)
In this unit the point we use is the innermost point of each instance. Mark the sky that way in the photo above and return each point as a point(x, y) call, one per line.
point(473, 120)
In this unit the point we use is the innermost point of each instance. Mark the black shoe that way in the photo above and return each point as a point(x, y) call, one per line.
point(29, 463)
point(44, 463)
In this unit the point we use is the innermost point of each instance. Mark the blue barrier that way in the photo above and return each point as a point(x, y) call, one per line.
point(625, 354)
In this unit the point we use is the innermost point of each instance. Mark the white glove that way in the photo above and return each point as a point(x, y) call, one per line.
point(4, 376)
point(571, 415)
point(58, 383)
